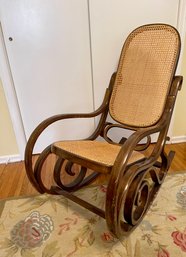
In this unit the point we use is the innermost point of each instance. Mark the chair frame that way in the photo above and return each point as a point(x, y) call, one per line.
point(128, 193)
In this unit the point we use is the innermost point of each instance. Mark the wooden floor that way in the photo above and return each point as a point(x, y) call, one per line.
point(14, 182)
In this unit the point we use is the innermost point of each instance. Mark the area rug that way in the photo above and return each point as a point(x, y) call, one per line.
point(52, 226)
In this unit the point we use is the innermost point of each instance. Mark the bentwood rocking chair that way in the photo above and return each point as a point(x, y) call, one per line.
point(140, 98)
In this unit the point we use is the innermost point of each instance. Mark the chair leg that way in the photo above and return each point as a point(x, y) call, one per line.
point(130, 194)
point(61, 165)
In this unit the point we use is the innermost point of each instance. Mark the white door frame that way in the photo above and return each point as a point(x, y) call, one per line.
point(11, 97)
point(181, 27)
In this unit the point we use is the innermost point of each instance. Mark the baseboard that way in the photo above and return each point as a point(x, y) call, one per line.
point(10, 158)
point(178, 139)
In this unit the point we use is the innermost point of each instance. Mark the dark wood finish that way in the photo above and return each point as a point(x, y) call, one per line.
point(131, 188)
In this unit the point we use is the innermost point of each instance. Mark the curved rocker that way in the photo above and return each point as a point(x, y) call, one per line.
point(140, 98)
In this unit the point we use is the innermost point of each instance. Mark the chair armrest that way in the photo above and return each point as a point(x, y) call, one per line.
point(47, 122)
point(103, 110)
point(131, 143)
point(161, 126)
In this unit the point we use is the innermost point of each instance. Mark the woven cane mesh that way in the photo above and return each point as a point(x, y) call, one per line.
point(147, 63)
point(99, 152)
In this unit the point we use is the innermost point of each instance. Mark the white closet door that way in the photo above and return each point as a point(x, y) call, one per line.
point(111, 22)
point(48, 49)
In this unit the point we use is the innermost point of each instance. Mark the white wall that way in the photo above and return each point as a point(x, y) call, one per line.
point(8, 145)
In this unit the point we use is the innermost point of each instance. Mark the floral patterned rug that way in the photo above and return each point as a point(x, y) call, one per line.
point(52, 226)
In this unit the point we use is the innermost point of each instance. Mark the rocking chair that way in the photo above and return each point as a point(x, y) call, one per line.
point(140, 98)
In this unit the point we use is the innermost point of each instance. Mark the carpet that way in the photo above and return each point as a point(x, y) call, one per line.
point(52, 226)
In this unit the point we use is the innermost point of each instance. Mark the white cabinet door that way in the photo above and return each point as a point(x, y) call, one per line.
point(48, 48)
point(111, 22)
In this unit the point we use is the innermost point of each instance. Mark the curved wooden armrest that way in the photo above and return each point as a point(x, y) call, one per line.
point(47, 122)
point(132, 142)
point(161, 126)
point(103, 110)
point(40, 128)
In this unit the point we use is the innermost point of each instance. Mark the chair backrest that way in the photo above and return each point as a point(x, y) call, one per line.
point(146, 68)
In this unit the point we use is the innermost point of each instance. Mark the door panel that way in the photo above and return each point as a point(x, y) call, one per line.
point(48, 49)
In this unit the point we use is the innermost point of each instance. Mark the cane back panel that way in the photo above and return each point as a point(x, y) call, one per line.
point(146, 67)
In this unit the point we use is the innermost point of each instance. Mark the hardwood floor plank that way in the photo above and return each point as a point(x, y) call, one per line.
point(179, 161)
point(8, 180)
